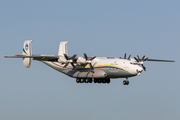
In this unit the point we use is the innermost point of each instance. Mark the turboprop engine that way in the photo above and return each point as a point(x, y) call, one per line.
point(86, 60)
point(62, 59)
point(81, 61)
point(67, 60)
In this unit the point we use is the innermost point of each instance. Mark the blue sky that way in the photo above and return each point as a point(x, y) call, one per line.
point(98, 28)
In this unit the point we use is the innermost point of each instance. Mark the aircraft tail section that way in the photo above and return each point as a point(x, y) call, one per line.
point(63, 48)
point(28, 52)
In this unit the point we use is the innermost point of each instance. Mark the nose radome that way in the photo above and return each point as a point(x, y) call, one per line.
point(140, 69)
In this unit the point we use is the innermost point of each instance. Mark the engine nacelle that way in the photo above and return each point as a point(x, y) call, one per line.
point(62, 60)
point(81, 60)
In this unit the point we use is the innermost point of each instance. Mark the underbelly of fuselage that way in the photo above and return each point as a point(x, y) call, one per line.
point(87, 73)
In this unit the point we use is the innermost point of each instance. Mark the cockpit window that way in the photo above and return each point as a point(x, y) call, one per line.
point(134, 63)
point(110, 57)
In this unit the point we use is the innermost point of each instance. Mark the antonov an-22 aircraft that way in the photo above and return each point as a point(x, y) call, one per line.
point(88, 69)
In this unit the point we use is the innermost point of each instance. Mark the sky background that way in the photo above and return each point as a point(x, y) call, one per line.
point(98, 28)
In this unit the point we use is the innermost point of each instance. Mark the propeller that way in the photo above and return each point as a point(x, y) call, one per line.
point(140, 61)
point(70, 60)
point(89, 60)
point(125, 57)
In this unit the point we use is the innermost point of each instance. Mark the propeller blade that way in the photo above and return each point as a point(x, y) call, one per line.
point(67, 58)
point(93, 58)
point(143, 58)
point(144, 68)
point(136, 59)
point(66, 65)
point(85, 56)
point(129, 56)
point(146, 59)
point(125, 56)
point(91, 66)
point(73, 56)
point(73, 65)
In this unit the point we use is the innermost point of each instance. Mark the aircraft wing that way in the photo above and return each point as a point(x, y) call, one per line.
point(156, 60)
point(37, 57)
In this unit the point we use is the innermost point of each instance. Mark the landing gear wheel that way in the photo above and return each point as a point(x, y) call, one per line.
point(127, 83)
point(108, 80)
point(99, 81)
point(90, 80)
point(86, 80)
point(82, 80)
point(124, 82)
point(103, 80)
point(95, 81)
point(77, 80)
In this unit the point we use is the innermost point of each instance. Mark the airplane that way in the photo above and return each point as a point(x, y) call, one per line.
point(88, 69)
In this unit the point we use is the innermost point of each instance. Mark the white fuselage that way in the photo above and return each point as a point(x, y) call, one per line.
point(108, 67)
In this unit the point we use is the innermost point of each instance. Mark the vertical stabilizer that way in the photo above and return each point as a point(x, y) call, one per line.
point(28, 52)
point(63, 48)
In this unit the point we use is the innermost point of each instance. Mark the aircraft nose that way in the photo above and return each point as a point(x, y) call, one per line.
point(139, 70)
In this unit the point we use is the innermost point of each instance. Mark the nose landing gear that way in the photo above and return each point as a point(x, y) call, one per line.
point(126, 82)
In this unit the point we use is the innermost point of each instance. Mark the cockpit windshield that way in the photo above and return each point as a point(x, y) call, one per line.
point(133, 63)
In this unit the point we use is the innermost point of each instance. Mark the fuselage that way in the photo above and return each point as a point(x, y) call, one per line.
point(103, 67)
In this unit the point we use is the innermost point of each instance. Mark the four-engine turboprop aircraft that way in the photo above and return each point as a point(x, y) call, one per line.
point(88, 69)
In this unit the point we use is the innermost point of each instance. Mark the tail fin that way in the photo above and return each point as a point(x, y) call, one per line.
point(63, 48)
point(28, 52)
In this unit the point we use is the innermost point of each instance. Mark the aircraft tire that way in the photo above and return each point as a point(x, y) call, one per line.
point(82, 80)
point(104, 80)
point(99, 81)
point(90, 80)
point(95, 81)
point(87, 80)
point(77, 80)
point(127, 83)
point(124, 82)
point(108, 80)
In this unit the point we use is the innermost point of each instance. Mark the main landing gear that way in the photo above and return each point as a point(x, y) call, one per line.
point(86, 80)
point(126, 82)
point(90, 80)
point(102, 80)
point(98, 80)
